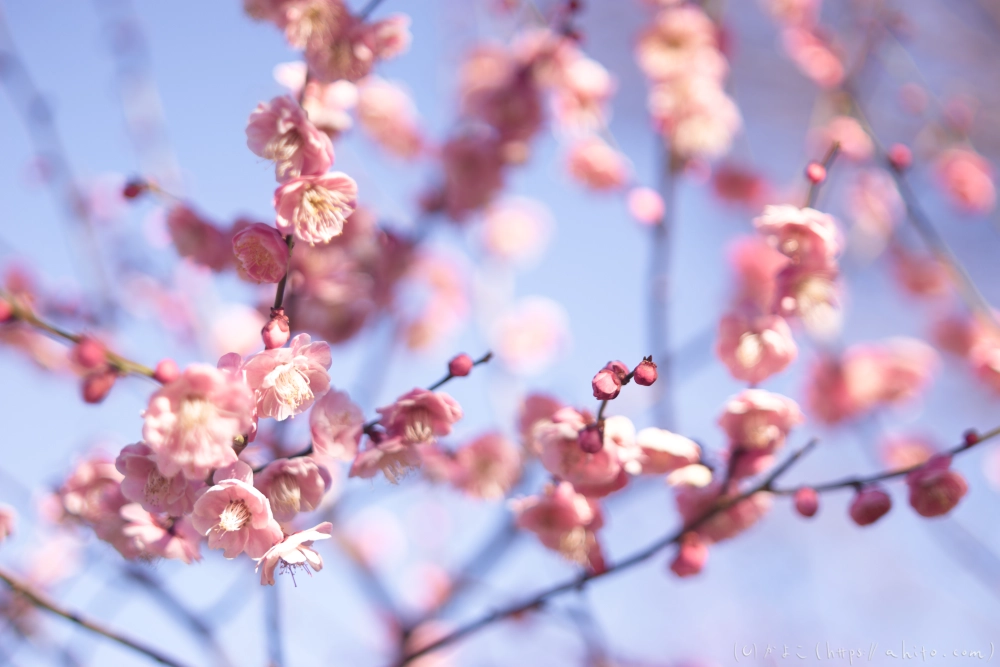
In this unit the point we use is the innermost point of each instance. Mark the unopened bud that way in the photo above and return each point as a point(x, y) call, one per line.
point(806, 501)
point(89, 353)
point(606, 385)
point(900, 157)
point(97, 385)
point(815, 172)
point(460, 366)
point(592, 439)
point(275, 332)
point(134, 188)
point(645, 373)
point(869, 506)
point(166, 371)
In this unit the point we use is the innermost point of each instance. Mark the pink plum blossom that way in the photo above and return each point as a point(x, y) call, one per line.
point(694, 502)
point(197, 239)
point(336, 424)
point(759, 420)
point(756, 265)
point(935, 489)
point(854, 143)
point(967, 179)
point(488, 467)
point(236, 517)
point(261, 253)
point(164, 537)
point(387, 114)
point(806, 236)
point(499, 88)
point(675, 38)
point(144, 484)
point(692, 553)
point(596, 165)
point(754, 349)
point(535, 408)
point(280, 131)
point(561, 454)
point(663, 452)
point(392, 457)
point(191, 423)
point(563, 520)
point(473, 175)
point(813, 56)
point(314, 208)
point(287, 380)
point(293, 485)
point(869, 505)
point(419, 415)
point(294, 552)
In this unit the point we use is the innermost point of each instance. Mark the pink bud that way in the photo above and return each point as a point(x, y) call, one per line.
point(970, 437)
point(815, 172)
point(869, 506)
point(8, 520)
point(134, 188)
point(900, 157)
point(806, 501)
point(618, 368)
point(606, 385)
point(645, 373)
point(591, 439)
point(6, 310)
point(275, 332)
point(645, 205)
point(166, 371)
point(460, 366)
point(934, 488)
point(97, 385)
point(89, 353)
point(691, 556)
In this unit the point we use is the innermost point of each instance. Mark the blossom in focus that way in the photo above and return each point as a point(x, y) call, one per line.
point(236, 517)
point(144, 484)
point(261, 253)
point(759, 420)
point(755, 348)
point(287, 380)
point(294, 552)
point(336, 425)
point(419, 415)
point(315, 208)
point(293, 485)
point(280, 131)
point(190, 423)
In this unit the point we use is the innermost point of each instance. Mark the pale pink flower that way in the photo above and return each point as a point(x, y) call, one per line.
point(336, 424)
point(92, 492)
point(280, 131)
point(530, 334)
point(392, 36)
point(287, 380)
point(516, 230)
point(261, 253)
point(236, 517)
point(692, 553)
point(563, 520)
point(811, 294)
point(8, 521)
point(294, 552)
point(581, 92)
point(191, 423)
point(328, 104)
point(419, 415)
point(314, 208)
point(596, 165)
point(693, 502)
point(164, 537)
point(292, 486)
point(759, 420)
point(663, 452)
point(806, 236)
point(813, 57)
point(561, 454)
point(854, 142)
point(920, 274)
point(393, 457)
point(935, 489)
point(535, 408)
point(387, 114)
point(905, 451)
point(695, 115)
point(645, 205)
point(144, 484)
point(487, 467)
point(756, 265)
point(197, 239)
point(473, 175)
point(755, 348)
point(876, 208)
point(967, 179)
point(667, 47)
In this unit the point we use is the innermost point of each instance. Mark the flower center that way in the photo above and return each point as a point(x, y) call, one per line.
point(156, 485)
point(291, 386)
point(758, 432)
point(285, 495)
point(749, 350)
point(418, 426)
point(235, 516)
point(195, 413)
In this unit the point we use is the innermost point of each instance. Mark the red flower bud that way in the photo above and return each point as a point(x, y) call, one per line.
point(89, 353)
point(806, 501)
point(134, 188)
point(815, 172)
point(606, 385)
point(869, 506)
point(275, 333)
point(645, 373)
point(166, 371)
point(592, 439)
point(460, 366)
point(691, 556)
point(900, 157)
point(97, 385)
point(934, 488)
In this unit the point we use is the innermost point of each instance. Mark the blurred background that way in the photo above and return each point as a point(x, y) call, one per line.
point(138, 88)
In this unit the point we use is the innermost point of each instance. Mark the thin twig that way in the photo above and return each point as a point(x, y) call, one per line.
point(814, 186)
point(42, 601)
point(368, 9)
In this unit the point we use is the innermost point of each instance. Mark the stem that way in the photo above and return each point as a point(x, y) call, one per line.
point(42, 601)
point(369, 8)
point(279, 293)
point(828, 159)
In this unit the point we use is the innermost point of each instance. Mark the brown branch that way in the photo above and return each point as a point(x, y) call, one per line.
point(42, 601)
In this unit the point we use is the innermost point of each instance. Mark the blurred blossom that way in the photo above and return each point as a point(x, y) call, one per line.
point(529, 335)
point(516, 229)
point(793, 12)
point(378, 536)
point(235, 327)
point(920, 274)
point(966, 177)
point(436, 287)
point(280, 131)
point(905, 451)
point(753, 349)
point(813, 56)
point(645, 205)
point(740, 185)
point(855, 144)
point(387, 114)
point(756, 265)
point(596, 165)
point(876, 208)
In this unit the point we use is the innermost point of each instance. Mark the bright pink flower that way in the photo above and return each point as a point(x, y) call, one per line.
point(967, 178)
point(562, 455)
point(236, 517)
point(563, 520)
point(855, 144)
point(754, 349)
point(935, 489)
point(606, 385)
point(806, 501)
point(694, 502)
point(198, 239)
point(460, 365)
point(692, 553)
point(869, 505)
point(487, 467)
point(419, 415)
point(813, 57)
point(759, 421)
point(596, 165)
point(314, 208)
point(645, 374)
point(287, 380)
point(806, 236)
point(8, 520)
point(280, 131)
point(645, 205)
point(145, 485)
point(191, 422)
point(293, 553)
point(336, 424)
point(663, 451)
point(261, 253)
point(293, 486)
point(164, 537)
point(387, 114)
